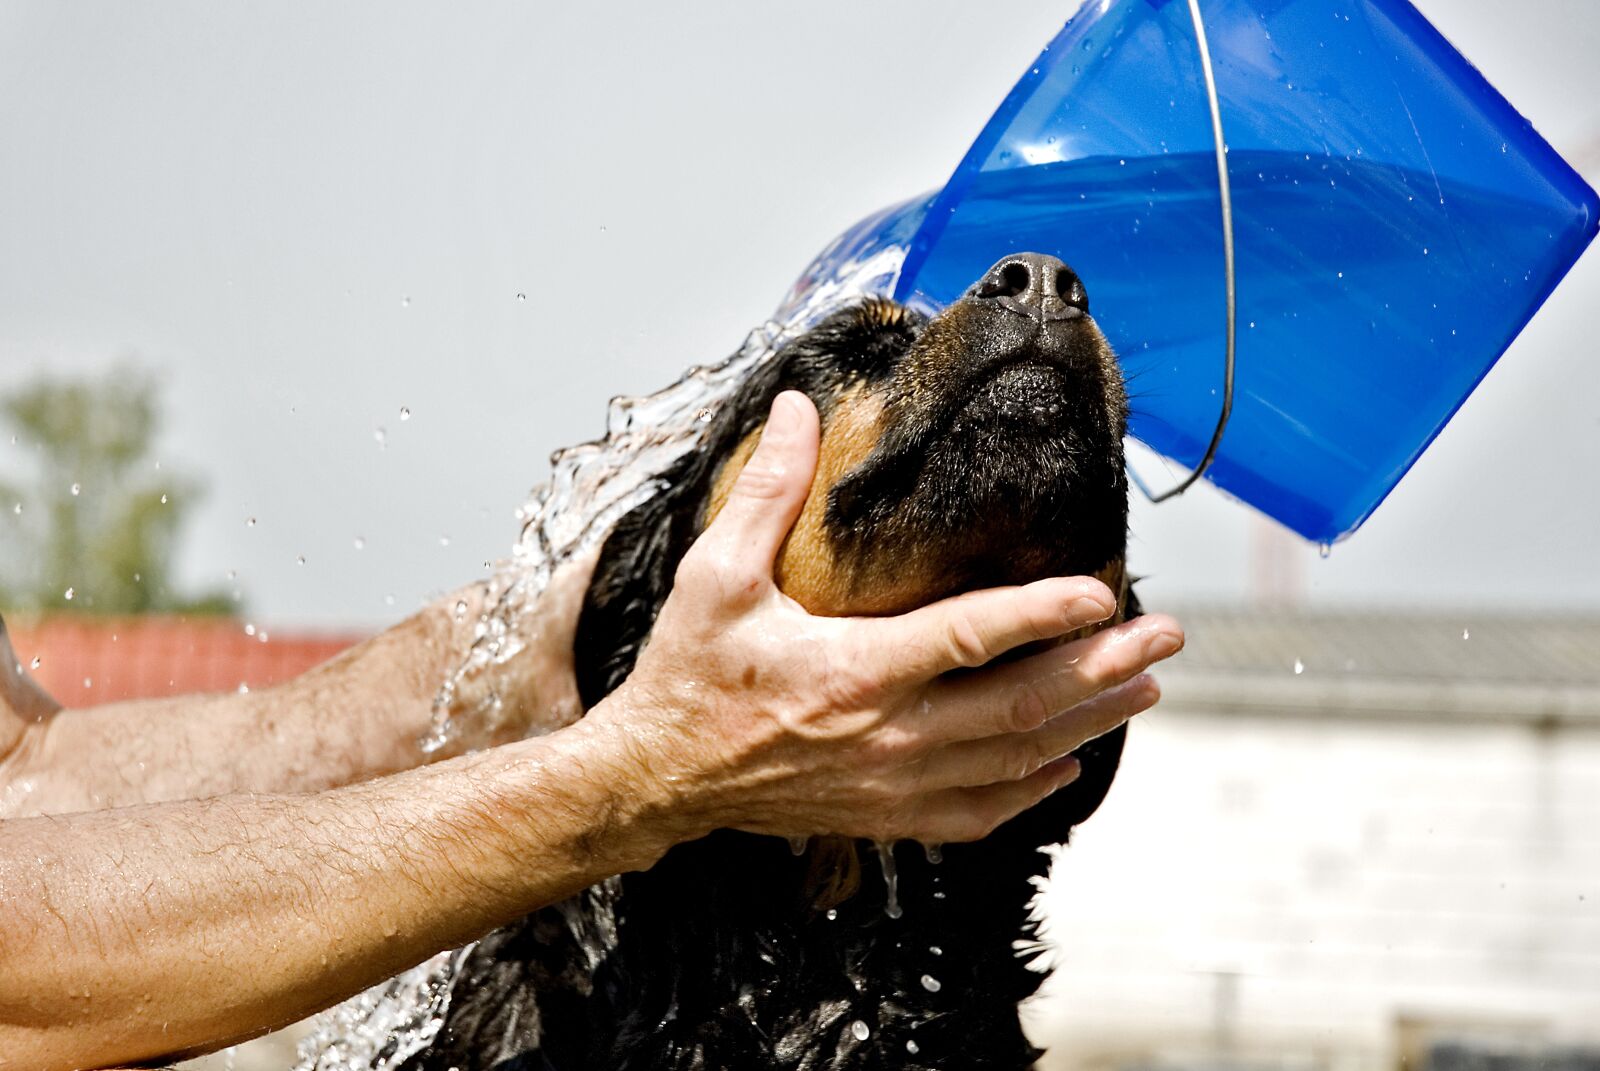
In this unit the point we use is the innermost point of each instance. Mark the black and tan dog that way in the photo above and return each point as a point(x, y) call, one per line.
point(980, 447)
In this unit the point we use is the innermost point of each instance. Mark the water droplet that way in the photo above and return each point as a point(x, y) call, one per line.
point(405, 302)
point(388, 600)
point(935, 950)
point(1324, 549)
point(299, 559)
point(912, 1048)
point(249, 629)
point(1341, 275)
point(461, 609)
point(233, 574)
point(17, 509)
point(444, 541)
point(934, 852)
point(163, 500)
point(931, 984)
point(88, 682)
point(704, 416)
point(522, 297)
point(244, 689)
point(359, 543)
point(1299, 667)
point(249, 522)
point(1466, 634)
point(602, 228)
point(405, 414)
point(380, 437)
point(860, 1030)
point(798, 845)
point(1424, 250)
point(76, 488)
point(891, 879)
point(36, 663)
point(833, 912)
point(68, 594)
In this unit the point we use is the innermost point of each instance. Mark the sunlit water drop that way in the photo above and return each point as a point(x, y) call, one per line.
point(798, 845)
point(77, 489)
point(405, 414)
point(912, 1047)
point(68, 594)
point(931, 984)
point(860, 1030)
point(1299, 667)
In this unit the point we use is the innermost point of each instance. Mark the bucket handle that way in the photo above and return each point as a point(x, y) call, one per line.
point(1226, 198)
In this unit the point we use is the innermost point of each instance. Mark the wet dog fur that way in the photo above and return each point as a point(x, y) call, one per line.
point(976, 448)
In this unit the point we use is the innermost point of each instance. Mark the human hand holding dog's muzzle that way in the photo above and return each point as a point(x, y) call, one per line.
point(744, 711)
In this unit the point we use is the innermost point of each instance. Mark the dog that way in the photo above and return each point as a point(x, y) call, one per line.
point(978, 447)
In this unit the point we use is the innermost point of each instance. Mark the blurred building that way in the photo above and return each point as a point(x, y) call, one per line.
point(1359, 841)
point(84, 659)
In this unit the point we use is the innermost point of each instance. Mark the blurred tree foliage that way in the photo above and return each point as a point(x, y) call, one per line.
point(100, 518)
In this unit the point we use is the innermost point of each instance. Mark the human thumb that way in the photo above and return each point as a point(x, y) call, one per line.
point(769, 492)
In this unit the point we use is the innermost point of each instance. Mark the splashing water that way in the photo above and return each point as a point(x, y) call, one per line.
point(891, 878)
point(591, 487)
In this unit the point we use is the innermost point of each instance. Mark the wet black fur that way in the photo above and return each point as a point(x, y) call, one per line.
point(718, 959)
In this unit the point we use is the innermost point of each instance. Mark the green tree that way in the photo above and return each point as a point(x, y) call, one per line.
point(95, 528)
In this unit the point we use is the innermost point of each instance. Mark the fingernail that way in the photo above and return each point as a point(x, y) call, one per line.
point(1067, 770)
point(784, 419)
point(1165, 644)
point(1090, 609)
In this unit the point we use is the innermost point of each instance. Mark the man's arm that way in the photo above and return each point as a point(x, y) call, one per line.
point(358, 716)
point(155, 930)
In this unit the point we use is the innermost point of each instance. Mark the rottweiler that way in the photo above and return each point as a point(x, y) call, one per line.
point(978, 447)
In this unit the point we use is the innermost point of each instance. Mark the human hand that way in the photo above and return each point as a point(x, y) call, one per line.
point(744, 711)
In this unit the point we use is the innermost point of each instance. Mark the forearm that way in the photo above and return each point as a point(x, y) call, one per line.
point(148, 931)
point(356, 717)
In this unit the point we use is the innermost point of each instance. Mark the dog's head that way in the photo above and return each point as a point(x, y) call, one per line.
point(980, 447)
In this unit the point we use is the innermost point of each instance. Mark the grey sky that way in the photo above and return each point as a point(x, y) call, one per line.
point(244, 198)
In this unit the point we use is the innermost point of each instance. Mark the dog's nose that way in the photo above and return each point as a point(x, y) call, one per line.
point(1034, 285)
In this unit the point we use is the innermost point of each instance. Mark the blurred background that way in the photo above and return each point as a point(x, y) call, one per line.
point(297, 299)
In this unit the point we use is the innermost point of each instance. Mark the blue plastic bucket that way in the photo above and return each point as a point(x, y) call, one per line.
point(1396, 224)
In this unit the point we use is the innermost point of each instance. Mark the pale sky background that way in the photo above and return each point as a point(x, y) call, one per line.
point(243, 198)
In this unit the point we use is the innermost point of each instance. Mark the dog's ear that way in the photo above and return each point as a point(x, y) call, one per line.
point(632, 579)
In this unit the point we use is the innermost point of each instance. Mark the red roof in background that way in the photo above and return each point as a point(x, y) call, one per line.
point(84, 660)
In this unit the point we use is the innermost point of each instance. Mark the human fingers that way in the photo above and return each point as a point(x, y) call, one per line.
point(742, 542)
point(1015, 756)
point(973, 629)
point(964, 814)
point(1021, 696)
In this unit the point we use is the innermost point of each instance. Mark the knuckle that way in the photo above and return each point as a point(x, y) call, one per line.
point(965, 641)
point(1025, 757)
point(761, 479)
point(1028, 710)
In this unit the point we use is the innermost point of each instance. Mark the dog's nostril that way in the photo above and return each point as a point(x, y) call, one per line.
point(1014, 280)
point(1069, 288)
point(1034, 285)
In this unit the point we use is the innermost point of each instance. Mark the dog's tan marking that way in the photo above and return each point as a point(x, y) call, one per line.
point(807, 570)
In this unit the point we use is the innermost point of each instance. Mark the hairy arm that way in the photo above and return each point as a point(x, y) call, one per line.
point(358, 716)
point(164, 928)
